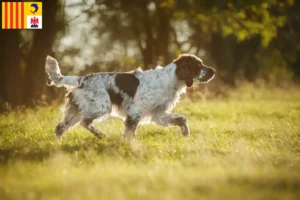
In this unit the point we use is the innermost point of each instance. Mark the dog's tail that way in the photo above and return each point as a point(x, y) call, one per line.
point(56, 77)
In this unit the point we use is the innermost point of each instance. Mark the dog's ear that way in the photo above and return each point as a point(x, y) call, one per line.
point(187, 67)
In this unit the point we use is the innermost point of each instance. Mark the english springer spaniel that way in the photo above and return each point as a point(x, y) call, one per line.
point(136, 97)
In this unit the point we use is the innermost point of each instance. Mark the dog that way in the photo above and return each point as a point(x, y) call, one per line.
point(137, 97)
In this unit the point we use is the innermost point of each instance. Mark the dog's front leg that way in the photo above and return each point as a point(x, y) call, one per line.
point(168, 119)
point(131, 124)
point(182, 122)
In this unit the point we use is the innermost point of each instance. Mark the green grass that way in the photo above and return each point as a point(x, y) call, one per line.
point(246, 146)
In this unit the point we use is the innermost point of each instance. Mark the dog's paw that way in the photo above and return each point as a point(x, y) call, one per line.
point(59, 130)
point(185, 131)
point(100, 135)
point(58, 137)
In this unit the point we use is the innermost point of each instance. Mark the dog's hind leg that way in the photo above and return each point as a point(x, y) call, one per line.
point(87, 124)
point(99, 108)
point(70, 118)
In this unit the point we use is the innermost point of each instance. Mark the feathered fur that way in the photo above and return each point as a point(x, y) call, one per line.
point(137, 97)
point(55, 75)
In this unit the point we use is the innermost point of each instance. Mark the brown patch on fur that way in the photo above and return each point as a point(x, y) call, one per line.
point(187, 67)
point(127, 83)
point(115, 98)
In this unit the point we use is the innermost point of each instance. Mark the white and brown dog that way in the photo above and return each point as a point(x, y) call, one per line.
point(136, 97)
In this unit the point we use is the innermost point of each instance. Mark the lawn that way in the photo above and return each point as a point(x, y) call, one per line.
point(244, 146)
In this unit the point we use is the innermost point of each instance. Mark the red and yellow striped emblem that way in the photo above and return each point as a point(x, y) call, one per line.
point(17, 15)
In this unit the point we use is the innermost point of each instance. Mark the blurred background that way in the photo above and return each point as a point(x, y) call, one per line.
point(245, 40)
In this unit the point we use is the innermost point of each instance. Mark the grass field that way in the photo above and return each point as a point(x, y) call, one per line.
point(246, 146)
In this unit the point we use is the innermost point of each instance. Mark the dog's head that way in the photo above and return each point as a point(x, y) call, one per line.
point(190, 68)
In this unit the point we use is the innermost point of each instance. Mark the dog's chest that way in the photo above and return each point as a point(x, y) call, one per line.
point(158, 90)
point(167, 100)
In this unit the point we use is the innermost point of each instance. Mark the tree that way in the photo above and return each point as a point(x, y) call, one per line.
point(147, 22)
point(10, 68)
point(41, 46)
point(22, 62)
point(234, 33)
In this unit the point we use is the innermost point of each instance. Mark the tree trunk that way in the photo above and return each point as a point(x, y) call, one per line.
point(163, 35)
point(147, 24)
point(223, 54)
point(35, 77)
point(10, 68)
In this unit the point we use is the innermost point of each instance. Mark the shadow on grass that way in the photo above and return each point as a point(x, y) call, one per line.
point(113, 147)
point(267, 183)
point(39, 153)
point(4, 195)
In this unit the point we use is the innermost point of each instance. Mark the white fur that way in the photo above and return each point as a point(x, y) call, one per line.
point(55, 75)
point(157, 94)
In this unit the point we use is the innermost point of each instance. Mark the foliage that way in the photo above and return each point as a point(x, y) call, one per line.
point(243, 19)
point(229, 35)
